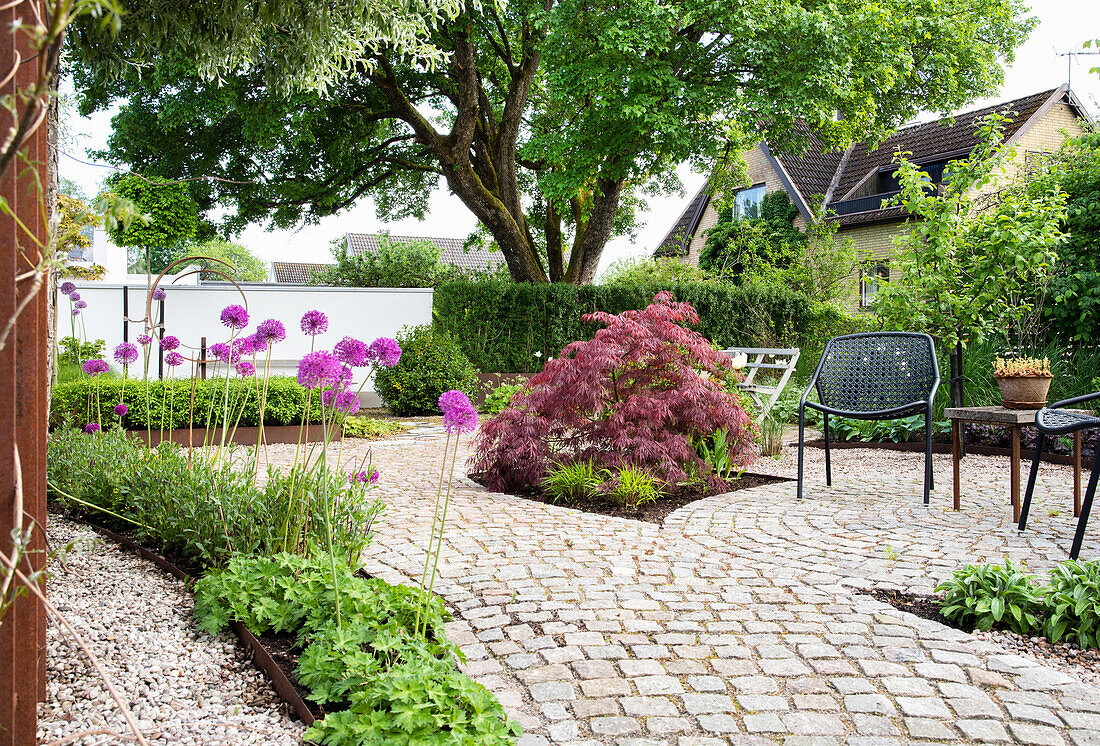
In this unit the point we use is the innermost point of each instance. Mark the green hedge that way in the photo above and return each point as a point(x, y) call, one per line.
point(506, 327)
point(171, 400)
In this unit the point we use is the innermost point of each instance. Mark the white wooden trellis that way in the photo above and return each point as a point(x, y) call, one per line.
point(765, 358)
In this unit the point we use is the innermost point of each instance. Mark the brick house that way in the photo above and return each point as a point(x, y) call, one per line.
point(855, 182)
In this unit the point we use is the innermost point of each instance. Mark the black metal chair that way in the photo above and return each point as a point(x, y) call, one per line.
point(875, 376)
point(1055, 421)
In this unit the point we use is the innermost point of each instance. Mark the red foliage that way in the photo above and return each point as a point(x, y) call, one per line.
point(635, 394)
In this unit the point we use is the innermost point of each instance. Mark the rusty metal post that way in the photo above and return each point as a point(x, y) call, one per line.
point(23, 382)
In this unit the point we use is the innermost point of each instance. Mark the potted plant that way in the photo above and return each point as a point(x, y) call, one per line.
point(1023, 381)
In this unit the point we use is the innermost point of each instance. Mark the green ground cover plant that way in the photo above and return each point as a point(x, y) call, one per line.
point(388, 682)
point(1005, 596)
point(371, 429)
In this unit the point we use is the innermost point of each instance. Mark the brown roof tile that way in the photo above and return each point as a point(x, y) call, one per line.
point(295, 273)
point(678, 239)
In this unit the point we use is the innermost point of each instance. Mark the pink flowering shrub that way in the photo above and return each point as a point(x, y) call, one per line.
point(635, 395)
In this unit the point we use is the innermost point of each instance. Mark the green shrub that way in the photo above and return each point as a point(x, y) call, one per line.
point(387, 683)
point(499, 398)
point(993, 595)
point(196, 509)
point(572, 482)
point(502, 325)
point(168, 404)
point(371, 429)
point(431, 363)
point(75, 352)
point(1073, 603)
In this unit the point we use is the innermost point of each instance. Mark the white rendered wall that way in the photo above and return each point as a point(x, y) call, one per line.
point(191, 312)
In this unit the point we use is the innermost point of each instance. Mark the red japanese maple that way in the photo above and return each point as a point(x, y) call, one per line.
point(634, 395)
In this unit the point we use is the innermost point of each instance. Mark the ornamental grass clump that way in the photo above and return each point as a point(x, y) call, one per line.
point(637, 395)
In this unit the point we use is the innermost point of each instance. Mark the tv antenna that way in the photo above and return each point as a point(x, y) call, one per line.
point(1069, 62)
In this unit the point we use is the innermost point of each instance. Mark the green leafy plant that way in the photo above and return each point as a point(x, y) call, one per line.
point(499, 398)
point(381, 679)
point(199, 509)
point(75, 352)
point(571, 482)
point(993, 595)
point(1073, 603)
point(717, 451)
point(371, 429)
point(431, 363)
point(770, 435)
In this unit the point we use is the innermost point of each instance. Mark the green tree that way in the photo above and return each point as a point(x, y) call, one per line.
point(978, 248)
point(645, 271)
point(75, 216)
point(549, 119)
point(244, 266)
point(412, 264)
point(172, 219)
point(1073, 303)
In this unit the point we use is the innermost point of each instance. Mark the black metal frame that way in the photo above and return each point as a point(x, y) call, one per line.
point(855, 384)
point(1049, 421)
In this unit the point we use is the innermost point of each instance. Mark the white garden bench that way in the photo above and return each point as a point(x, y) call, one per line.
point(782, 360)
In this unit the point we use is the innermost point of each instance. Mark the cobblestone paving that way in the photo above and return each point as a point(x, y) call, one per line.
point(739, 620)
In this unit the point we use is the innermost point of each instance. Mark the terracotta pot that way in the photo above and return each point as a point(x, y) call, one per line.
point(1024, 392)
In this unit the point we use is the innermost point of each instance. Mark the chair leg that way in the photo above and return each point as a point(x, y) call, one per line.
point(828, 458)
point(1086, 507)
point(801, 445)
point(1031, 481)
point(929, 485)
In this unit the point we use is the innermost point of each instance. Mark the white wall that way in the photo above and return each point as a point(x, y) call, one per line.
point(191, 312)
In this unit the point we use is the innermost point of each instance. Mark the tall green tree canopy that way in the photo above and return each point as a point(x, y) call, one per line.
point(171, 219)
point(549, 119)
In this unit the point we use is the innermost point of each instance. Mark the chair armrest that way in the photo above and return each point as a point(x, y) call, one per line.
point(1074, 400)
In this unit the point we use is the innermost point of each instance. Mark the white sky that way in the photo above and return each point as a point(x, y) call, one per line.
point(1064, 26)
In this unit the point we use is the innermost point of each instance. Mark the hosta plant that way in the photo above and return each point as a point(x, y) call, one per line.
point(993, 595)
point(1073, 603)
point(635, 395)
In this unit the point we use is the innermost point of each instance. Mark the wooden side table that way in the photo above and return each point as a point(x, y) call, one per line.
point(1014, 419)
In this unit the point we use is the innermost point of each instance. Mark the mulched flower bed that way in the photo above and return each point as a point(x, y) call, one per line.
point(654, 512)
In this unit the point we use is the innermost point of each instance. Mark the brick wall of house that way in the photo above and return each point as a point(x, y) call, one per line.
point(758, 170)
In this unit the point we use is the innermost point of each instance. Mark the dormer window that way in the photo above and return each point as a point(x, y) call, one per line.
point(746, 202)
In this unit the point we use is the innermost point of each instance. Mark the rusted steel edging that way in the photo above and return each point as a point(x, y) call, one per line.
point(1050, 458)
point(258, 654)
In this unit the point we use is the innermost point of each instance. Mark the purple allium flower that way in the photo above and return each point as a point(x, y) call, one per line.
point(67, 287)
point(351, 351)
point(95, 366)
point(74, 296)
point(173, 359)
point(245, 345)
point(80, 304)
point(126, 353)
point(169, 343)
point(91, 428)
point(385, 351)
point(361, 476)
point(222, 351)
point(159, 294)
point(76, 312)
point(345, 377)
point(344, 401)
point(258, 344)
point(144, 339)
point(319, 369)
point(314, 323)
point(235, 317)
point(271, 331)
point(459, 415)
point(246, 369)
point(120, 410)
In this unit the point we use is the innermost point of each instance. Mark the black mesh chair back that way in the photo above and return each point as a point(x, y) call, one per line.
point(875, 376)
point(876, 372)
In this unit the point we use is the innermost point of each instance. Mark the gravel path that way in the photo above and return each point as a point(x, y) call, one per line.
point(183, 686)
